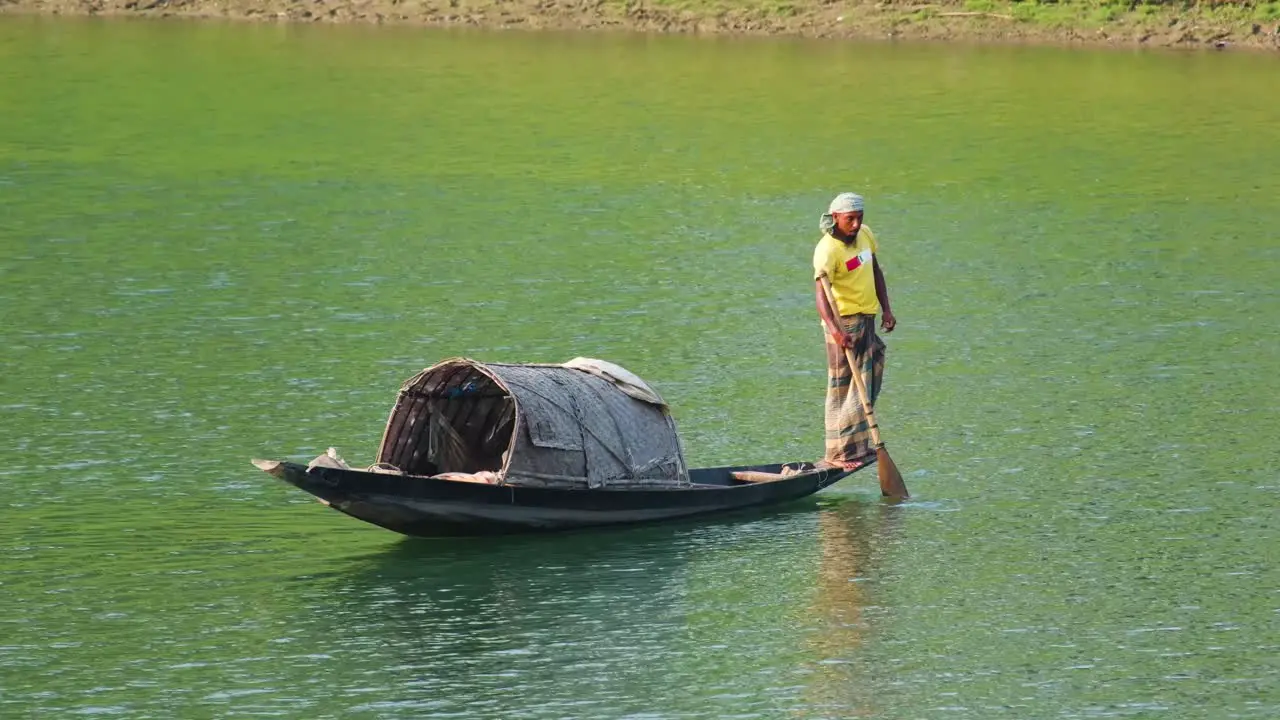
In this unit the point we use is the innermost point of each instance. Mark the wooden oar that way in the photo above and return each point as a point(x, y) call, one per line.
point(891, 482)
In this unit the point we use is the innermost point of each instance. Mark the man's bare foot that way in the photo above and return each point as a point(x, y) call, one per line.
point(847, 466)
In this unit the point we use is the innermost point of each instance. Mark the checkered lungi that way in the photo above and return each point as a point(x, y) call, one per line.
point(848, 435)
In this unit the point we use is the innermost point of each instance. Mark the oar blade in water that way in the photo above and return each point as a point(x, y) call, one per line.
point(891, 483)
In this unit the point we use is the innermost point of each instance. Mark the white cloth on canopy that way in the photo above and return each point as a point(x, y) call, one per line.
point(627, 381)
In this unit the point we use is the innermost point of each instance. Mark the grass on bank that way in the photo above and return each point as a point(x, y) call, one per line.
point(1044, 13)
point(1108, 11)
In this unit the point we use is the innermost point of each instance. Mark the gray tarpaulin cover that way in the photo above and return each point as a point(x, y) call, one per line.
point(584, 423)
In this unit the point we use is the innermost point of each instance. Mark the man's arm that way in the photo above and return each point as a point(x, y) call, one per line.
point(835, 328)
point(888, 322)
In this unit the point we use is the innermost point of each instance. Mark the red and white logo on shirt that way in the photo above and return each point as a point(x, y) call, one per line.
point(858, 260)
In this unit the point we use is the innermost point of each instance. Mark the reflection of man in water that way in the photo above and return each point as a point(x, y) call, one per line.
point(846, 256)
point(841, 683)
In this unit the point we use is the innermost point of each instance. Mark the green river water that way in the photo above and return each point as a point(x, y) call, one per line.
point(224, 241)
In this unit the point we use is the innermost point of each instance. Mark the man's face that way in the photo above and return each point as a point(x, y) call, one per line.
point(848, 223)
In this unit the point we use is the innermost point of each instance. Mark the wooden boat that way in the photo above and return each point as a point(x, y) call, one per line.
point(473, 449)
point(432, 507)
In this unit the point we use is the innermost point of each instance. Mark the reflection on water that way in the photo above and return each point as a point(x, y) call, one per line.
point(476, 626)
point(757, 613)
point(853, 541)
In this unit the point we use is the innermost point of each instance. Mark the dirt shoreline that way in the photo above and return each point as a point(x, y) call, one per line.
point(1220, 27)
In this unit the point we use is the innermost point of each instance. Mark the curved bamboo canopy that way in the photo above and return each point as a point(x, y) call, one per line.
point(586, 423)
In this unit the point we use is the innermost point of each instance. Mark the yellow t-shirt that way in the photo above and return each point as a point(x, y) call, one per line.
point(849, 268)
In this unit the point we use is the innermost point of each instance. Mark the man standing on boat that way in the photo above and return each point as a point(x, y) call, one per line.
point(846, 256)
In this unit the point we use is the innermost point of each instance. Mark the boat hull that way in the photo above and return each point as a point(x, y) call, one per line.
point(429, 507)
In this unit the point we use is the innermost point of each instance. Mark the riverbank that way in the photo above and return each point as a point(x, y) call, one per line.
point(1255, 25)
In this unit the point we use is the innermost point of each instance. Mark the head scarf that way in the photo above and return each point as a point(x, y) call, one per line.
point(844, 203)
